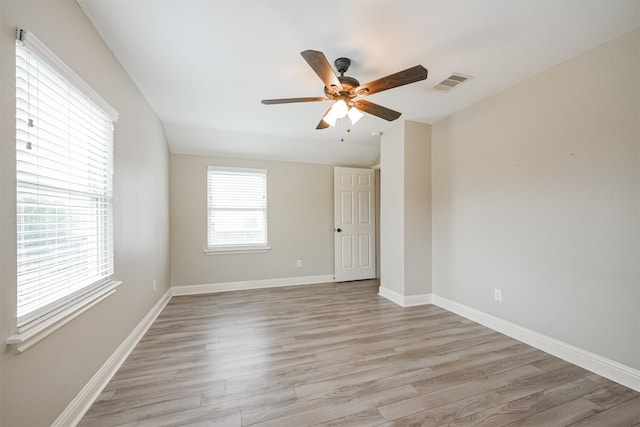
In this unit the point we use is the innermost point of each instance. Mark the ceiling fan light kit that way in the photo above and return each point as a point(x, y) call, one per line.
point(344, 89)
point(354, 115)
point(330, 118)
point(340, 109)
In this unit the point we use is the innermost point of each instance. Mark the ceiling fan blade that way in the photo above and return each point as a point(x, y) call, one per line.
point(401, 78)
point(322, 124)
point(290, 100)
point(321, 66)
point(376, 110)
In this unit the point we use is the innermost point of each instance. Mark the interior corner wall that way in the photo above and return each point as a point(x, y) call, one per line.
point(405, 209)
point(391, 209)
point(38, 384)
point(536, 191)
point(300, 223)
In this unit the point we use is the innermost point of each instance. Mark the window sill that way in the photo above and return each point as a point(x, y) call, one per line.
point(22, 341)
point(237, 250)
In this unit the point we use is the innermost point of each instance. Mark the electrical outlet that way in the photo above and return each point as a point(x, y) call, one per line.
point(497, 294)
point(155, 285)
point(299, 263)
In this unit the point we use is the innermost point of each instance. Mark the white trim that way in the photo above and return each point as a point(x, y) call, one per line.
point(23, 340)
point(238, 170)
point(74, 412)
point(391, 296)
point(402, 300)
point(413, 300)
point(251, 284)
point(225, 250)
point(607, 368)
point(34, 44)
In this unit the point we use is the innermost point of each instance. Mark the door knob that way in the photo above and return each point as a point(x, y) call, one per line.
point(339, 230)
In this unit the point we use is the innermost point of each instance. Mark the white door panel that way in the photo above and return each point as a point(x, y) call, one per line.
point(354, 222)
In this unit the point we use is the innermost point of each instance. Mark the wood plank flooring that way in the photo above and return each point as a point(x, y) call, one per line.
point(340, 355)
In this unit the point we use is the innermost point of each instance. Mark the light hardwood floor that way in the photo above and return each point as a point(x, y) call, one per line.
point(340, 355)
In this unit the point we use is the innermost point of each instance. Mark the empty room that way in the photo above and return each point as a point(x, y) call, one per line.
point(319, 213)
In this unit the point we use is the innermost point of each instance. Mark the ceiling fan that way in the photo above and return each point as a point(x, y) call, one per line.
point(344, 90)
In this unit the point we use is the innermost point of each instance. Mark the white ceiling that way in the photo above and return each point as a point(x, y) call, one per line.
point(204, 65)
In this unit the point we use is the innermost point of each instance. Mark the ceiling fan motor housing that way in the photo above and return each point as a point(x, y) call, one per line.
point(342, 65)
point(347, 92)
point(348, 83)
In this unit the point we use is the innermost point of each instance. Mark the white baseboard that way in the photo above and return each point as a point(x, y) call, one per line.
point(607, 368)
point(402, 300)
point(250, 284)
point(74, 412)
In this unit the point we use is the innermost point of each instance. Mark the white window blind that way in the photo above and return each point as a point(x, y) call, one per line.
point(64, 168)
point(237, 208)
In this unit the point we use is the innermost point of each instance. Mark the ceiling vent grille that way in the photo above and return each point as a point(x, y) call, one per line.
point(452, 81)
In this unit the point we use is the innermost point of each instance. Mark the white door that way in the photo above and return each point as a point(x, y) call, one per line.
point(354, 223)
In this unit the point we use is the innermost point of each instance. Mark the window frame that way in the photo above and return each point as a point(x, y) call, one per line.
point(238, 248)
point(39, 323)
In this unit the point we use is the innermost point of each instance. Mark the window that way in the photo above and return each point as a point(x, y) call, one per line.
point(64, 194)
point(236, 209)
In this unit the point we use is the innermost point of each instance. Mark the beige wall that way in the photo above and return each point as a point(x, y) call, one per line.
point(38, 384)
point(536, 192)
point(300, 223)
point(417, 208)
point(405, 205)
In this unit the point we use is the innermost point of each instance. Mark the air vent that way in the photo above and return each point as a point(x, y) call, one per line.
point(452, 81)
